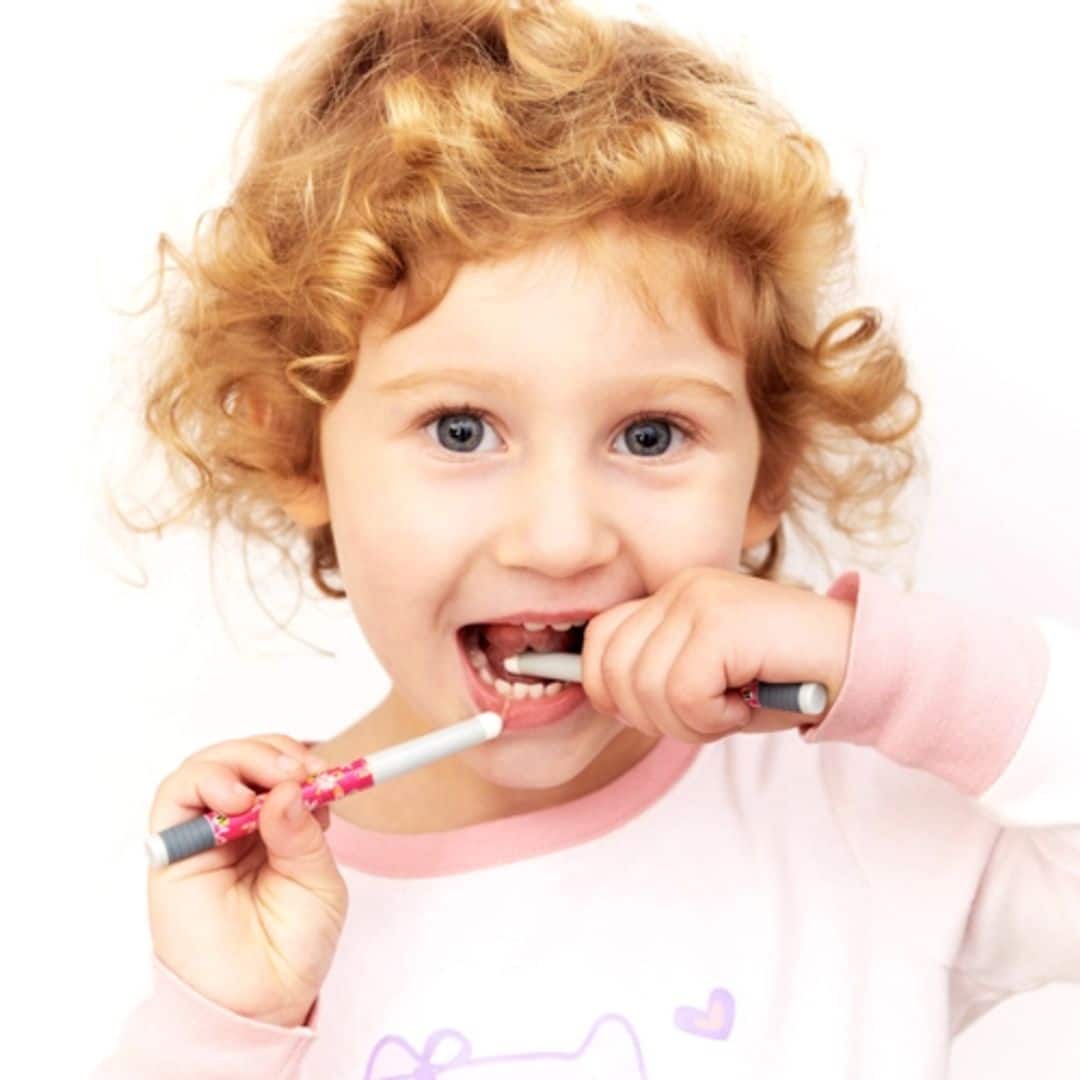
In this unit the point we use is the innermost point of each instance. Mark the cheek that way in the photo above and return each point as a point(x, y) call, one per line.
point(699, 527)
point(400, 556)
point(405, 525)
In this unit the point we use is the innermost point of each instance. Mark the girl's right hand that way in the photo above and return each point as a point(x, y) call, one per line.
point(252, 924)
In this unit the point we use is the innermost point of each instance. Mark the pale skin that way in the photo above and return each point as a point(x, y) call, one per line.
point(554, 506)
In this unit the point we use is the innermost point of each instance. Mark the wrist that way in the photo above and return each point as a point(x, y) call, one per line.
point(839, 626)
point(290, 1018)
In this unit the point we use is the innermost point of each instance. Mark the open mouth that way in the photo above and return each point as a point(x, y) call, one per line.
point(524, 701)
point(487, 645)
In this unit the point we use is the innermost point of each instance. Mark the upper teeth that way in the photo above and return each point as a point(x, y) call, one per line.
point(554, 626)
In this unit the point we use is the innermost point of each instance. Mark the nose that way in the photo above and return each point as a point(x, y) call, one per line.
point(556, 520)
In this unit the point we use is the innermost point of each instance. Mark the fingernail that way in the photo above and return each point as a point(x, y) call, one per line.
point(287, 764)
point(242, 789)
point(316, 764)
point(295, 809)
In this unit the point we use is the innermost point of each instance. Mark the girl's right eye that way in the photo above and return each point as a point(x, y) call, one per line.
point(459, 430)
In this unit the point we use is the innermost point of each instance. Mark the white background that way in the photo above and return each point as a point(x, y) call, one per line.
point(953, 128)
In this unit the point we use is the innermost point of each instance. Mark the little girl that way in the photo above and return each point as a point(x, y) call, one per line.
point(516, 319)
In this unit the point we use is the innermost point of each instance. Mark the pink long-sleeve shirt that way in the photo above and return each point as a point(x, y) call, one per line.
point(833, 901)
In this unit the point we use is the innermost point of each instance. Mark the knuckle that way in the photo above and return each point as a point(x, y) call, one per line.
point(280, 738)
point(696, 599)
point(185, 771)
point(200, 766)
point(213, 752)
point(684, 602)
point(286, 744)
point(683, 578)
point(192, 759)
point(644, 682)
point(609, 665)
point(681, 696)
point(673, 587)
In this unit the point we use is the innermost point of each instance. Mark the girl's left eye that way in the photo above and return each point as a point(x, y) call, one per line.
point(460, 429)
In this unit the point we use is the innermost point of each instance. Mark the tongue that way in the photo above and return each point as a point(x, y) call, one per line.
point(504, 640)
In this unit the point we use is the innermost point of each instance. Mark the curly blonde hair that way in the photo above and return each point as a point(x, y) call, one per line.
point(407, 137)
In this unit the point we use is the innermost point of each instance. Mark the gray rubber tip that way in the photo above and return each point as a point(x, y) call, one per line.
point(179, 841)
point(155, 850)
point(797, 697)
point(813, 698)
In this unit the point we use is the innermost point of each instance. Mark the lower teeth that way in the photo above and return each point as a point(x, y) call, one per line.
point(516, 690)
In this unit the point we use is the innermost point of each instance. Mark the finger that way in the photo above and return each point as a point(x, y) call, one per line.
point(619, 665)
point(284, 744)
point(254, 858)
point(196, 788)
point(296, 845)
point(208, 777)
point(652, 676)
point(598, 632)
point(193, 790)
point(698, 689)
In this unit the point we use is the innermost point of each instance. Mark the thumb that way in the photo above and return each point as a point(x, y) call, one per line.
point(296, 845)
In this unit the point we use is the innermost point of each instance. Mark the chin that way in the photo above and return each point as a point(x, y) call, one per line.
point(543, 758)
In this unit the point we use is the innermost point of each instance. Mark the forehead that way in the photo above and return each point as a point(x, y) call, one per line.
point(612, 283)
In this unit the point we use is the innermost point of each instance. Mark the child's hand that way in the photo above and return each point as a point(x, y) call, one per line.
point(252, 924)
point(671, 663)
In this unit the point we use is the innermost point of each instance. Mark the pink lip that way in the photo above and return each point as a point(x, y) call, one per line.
point(521, 714)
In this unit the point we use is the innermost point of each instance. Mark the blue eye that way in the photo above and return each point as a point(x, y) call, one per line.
point(460, 429)
point(652, 434)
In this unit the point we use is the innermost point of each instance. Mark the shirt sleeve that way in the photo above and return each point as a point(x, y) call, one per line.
point(990, 703)
point(177, 1034)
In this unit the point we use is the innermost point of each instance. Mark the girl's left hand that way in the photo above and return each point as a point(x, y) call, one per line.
point(672, 663)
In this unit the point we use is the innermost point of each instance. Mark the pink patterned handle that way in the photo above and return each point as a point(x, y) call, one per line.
point(317, 790)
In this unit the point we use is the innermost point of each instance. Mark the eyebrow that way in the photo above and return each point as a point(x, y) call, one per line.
point(657, 384)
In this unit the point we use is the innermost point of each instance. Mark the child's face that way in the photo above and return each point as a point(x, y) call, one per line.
point(551, 504)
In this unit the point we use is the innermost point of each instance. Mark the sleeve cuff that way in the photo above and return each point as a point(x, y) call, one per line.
point(934, 685)
point(188, 1026)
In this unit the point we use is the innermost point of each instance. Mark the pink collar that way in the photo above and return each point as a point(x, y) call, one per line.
point(521, 836)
